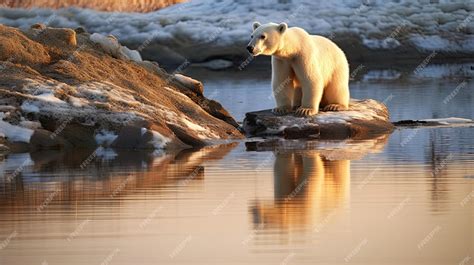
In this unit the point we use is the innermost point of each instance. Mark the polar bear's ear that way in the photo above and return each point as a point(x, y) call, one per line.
point(256, 24)
point(282, 27)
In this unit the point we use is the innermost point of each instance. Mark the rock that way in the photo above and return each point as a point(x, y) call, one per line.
point(53, 37)
point(331, 150)
point(80, 30)
point(4, 149)
point(15, 47)
point(42, 139)
point(190, 83)
point(365, 119)
point(441, 122)
point(84, 97)
point(39, 26)
point(217, 64)
point(187, 138)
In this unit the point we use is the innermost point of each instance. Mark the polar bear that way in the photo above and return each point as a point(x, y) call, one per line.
point(308, 71)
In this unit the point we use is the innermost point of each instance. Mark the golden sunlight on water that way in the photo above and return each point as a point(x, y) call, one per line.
point(355, 202)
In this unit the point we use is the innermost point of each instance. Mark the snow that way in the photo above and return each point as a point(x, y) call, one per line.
point(81, 105)
point(106, 153)
point(388, 43)
point(15, 133)
point(438, 43)
point(29, 107)
point(188, 81)
point(77, 102)
point(111, 45)
point(445, 70)
point(30, 124)
point(203, 29)
point(450, 120)
point(49, 97)
point(366, 111)
point(192, 126)
point(217, 64)
point(105, 138)
point(385, 74)
point(159, 141)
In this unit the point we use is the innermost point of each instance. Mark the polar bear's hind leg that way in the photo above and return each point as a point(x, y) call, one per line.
point(334, 107)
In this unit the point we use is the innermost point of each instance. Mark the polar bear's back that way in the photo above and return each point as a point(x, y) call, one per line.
point(327, 47)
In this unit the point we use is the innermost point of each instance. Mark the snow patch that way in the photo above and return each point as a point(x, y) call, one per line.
point(386, 74)
point(105, 138)
point(111, 45)
point(77, 102)
point(450, 120)
point(29, 107)
point(159, 141)
point(15, 133)
point(388, 43)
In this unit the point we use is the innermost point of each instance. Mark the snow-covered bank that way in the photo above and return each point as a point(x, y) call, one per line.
point(60, 89)
point(200, 29)
point(105, 5)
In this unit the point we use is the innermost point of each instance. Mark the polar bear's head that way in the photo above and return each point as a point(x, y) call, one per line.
point(265, 39)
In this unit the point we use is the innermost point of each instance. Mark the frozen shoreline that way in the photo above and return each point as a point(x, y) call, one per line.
point(201, 30)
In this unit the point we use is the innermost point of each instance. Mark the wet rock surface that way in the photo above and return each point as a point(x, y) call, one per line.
point(365, 119)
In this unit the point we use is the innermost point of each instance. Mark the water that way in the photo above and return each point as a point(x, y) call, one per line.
point(404, 198)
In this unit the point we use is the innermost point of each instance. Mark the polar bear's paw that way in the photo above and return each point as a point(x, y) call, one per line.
point(281, 110)
point(334, 107)
point(306, 112)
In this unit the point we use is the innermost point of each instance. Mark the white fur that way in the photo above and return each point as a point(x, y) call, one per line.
point(308, 71)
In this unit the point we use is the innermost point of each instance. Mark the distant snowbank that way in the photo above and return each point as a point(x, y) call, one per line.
point(105, 5)
point(200, 30)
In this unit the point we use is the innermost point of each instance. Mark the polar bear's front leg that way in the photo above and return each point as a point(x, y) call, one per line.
point(282, 86)
point(312, 90)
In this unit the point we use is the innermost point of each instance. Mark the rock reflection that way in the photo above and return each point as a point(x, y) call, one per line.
point(100, 174)
point(310, 185)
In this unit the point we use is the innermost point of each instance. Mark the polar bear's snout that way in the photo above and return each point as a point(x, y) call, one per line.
point(250, 48)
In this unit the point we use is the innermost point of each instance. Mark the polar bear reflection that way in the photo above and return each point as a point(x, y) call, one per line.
point(307, 188)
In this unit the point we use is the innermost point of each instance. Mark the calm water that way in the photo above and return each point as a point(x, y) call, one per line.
point(404, 198)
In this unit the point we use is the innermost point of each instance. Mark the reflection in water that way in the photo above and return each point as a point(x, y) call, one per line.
point(306, 188)
point(71, 178)
point(309, 185)
point(299, 203)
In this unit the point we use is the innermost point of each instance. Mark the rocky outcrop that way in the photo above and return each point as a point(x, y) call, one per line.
point(59, 88)
point(365, 119)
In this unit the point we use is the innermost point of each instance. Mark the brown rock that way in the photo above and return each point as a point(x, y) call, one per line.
point(186, 137)
point(365, 119)
point(58, 37)
point(17, 48)
point(42, 139)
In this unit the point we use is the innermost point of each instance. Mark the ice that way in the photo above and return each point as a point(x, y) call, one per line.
point(386, 74)
point(450, 120)
point(105, 138)
point(201, 29)
point(111, 45)
point(49, 97)
point(28, 106)
point(15, 133)
point(388, 43)
point(77, 102)
point(159, 141)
